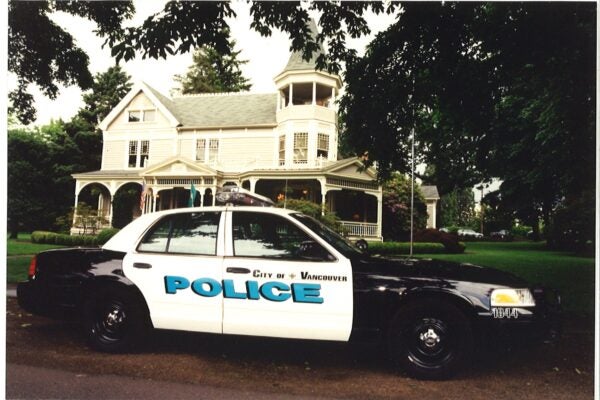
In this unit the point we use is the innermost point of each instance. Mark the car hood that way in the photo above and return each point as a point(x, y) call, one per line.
point(434, 269)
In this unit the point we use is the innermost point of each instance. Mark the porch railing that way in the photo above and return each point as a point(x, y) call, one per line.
point(360, 229)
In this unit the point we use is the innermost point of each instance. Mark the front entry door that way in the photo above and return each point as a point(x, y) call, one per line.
point(279, 281)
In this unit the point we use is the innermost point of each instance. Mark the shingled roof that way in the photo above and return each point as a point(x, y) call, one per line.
point(430, 192)
point(297, 61)
point(224, 109)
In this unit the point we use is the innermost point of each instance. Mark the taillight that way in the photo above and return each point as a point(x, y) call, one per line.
point(32, 267)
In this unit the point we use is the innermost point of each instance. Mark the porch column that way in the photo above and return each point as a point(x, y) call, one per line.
point(332, 103)
point(291, 93)
point(201, 194)
point(110, 220)
point(314, 96)
point(154, 201)
point(379, 212)
point(75, 207)
point(253, 184)
point(323, 196)
point(214, 195)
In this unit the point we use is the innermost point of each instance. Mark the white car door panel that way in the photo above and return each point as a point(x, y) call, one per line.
point(277, 289)
point(178, 268)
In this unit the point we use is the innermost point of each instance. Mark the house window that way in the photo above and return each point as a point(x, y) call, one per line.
point(213, 150)
point(134, 116)
point(200, 150)
point(282, 150)
point(149, 115)
point(300, 147)
point(139, 151)
point(141, 115)
point(144, 153)
point(322, 145)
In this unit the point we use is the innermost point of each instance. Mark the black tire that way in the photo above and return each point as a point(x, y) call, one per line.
point(113, 321)
point(430, 339)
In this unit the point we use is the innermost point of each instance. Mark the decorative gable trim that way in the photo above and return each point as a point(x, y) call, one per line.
point(135, 90)
point(342, 167)
point(178, 166)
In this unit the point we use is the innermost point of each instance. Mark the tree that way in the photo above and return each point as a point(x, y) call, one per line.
point(213, 72)
point(107, 90)
point(457, 208)
point(503, 90)
point(44, 54)
point(396, 208)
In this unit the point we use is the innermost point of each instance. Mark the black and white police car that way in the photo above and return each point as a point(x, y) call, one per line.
point(273, 272)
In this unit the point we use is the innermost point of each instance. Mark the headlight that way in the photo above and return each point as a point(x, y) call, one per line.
point(512, 298)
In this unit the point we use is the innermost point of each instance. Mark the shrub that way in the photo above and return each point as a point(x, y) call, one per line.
point(448, 240)
point(106, 234)
point(43, 237)
point(390, 248)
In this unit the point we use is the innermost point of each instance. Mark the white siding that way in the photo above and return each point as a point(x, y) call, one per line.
point(242, 153)
point(160, 150)
point(113, 154)
point(139, 102)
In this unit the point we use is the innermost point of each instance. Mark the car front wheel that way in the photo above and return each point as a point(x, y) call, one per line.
point(430, 339)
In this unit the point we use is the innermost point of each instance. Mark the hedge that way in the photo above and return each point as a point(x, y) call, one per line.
point(387, 248)
point(44, 237)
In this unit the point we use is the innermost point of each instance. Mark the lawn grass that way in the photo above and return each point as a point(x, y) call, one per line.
point(23, 246)
point(19, 252)
point(573, 276)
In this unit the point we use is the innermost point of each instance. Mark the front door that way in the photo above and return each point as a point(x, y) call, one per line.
point(178, 268)
point(279, 281)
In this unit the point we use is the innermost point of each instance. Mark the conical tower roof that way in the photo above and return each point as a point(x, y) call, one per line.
point(297, 62)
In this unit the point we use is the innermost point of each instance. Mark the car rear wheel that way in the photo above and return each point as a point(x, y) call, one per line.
point(113, 321)
point(430, 339)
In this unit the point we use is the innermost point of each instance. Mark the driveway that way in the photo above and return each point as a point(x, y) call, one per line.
point(235, 366)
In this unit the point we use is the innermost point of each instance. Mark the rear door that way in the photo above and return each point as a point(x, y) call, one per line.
point(280, 281)
point(178, 268)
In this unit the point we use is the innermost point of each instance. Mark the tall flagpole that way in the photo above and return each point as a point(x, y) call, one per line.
point(412, 188)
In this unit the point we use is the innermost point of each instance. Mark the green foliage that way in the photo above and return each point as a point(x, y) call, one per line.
point(44, 54)
point(448, 240)
point(396, 208)
point(397, 248)
point(214, 72)
point(312, 210)
point(521, 109)
point(42, 237)
point(572, 226)
point(106, 234)
point(457, 208)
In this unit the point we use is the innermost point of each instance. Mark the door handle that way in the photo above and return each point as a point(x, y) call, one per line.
point(142, 265)
point(235, 270)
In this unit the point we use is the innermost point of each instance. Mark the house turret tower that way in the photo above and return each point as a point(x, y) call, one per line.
point(306, 112)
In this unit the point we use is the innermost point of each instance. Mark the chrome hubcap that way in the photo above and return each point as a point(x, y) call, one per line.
point(429, 338)
point(114, 318)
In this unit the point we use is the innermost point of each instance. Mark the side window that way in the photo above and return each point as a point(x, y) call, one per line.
point(188, 233)
point(272, 236)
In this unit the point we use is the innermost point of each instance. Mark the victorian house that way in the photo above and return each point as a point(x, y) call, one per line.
point(275, 144)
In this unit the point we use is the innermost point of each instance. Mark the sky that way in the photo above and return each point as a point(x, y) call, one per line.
point(266, 57)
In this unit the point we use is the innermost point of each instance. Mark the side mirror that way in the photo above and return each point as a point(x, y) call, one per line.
point(362, 245)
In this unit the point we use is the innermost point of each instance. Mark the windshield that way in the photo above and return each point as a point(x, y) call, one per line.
point(336, 240)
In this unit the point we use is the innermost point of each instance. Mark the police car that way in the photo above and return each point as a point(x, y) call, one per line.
point(265, 271)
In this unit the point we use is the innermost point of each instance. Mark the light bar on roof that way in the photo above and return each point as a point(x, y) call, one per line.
point(238, 196)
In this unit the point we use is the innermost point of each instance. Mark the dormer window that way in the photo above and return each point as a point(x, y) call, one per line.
point(141, 115)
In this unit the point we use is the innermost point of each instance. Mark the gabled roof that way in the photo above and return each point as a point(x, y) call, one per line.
point(157, 99)
point(352, 168)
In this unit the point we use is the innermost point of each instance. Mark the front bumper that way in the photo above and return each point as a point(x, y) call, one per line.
point(541, 323)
